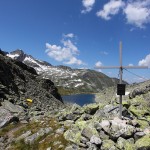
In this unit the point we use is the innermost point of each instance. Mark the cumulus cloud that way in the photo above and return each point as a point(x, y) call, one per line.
point(110, 9)
point(98, 64)
point(145, 61)
point(66, 53)
point(131, 65)
point(88, 4)
point(74, 60)
point(138, 13)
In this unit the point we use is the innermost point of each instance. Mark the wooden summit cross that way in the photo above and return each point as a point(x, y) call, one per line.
point(120, 85)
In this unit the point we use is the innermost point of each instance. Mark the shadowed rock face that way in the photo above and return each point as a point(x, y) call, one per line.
point(19, 82)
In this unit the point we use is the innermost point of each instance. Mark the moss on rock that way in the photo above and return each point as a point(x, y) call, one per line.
point(143, 124)
point(143, 143)
point(125, 144)
point(91, 108)
point(138, 111)
point(107, 145)
point(73, 135)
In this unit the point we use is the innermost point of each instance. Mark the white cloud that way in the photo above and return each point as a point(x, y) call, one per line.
point(71, 46)
point(88, 4)
point(98, 64)
point(138, 13)
point(69, 35)
point(110, 9)
point(145, 61)
point(74, 60)
point(66, 54)
point(131, 65)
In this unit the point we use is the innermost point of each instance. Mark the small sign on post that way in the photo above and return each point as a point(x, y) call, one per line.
point(121, 89)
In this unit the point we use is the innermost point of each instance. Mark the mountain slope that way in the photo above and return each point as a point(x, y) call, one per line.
point(66, 78)
point(19, 82)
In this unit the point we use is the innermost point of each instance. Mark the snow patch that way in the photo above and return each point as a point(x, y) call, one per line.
point(12, 56)
point(79, 84)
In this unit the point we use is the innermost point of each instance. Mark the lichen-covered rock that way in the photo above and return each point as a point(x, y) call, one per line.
point(72, 147)
point(91, 146)
point(71, 116)
point(147, 131)
point(138, 111)
point(125, 144)
point(11, 107)
point(88, 132)
point(73, 135)
point(107, 145)
point(136, 92)
point(143, 143)
point(103, 136)
point(86, 117)
point(143, 123)
point(6, 117)
point(68, 123)
point(95, 140)
point(91, 108)
point(110, 111)
point(126, 104)
point(60, 130)
point(139, 91)
point(81, 124)
point(76, 109)
point(120, 128)
point(105, 124)
point(138, 135)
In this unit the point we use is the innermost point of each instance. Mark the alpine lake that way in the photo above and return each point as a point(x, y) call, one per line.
point(80, 99)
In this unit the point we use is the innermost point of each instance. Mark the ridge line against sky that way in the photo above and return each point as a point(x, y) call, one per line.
point(79, 33)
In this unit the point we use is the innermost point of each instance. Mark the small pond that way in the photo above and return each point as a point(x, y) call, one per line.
point(79, 99)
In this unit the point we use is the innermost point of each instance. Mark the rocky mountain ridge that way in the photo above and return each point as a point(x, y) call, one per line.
point(76, 80)
point(19, 82)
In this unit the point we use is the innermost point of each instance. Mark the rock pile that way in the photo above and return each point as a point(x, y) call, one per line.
point(96, 127)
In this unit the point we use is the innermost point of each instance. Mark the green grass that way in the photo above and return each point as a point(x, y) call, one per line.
point(6, 129)
point(42, 142)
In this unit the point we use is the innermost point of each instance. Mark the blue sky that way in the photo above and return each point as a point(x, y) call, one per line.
point(79, 33)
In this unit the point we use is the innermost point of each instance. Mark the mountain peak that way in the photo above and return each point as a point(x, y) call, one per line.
point(17, 51)
point(38, 65)
point(17, 54)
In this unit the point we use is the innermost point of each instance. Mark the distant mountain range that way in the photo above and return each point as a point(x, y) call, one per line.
point(66, 79)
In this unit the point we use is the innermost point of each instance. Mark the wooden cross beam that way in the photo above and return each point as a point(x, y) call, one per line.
point(121, 73)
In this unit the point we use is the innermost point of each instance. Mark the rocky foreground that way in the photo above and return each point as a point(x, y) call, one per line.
point(91, 127)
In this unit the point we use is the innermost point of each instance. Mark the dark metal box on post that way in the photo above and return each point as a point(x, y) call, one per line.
point(121, 89)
